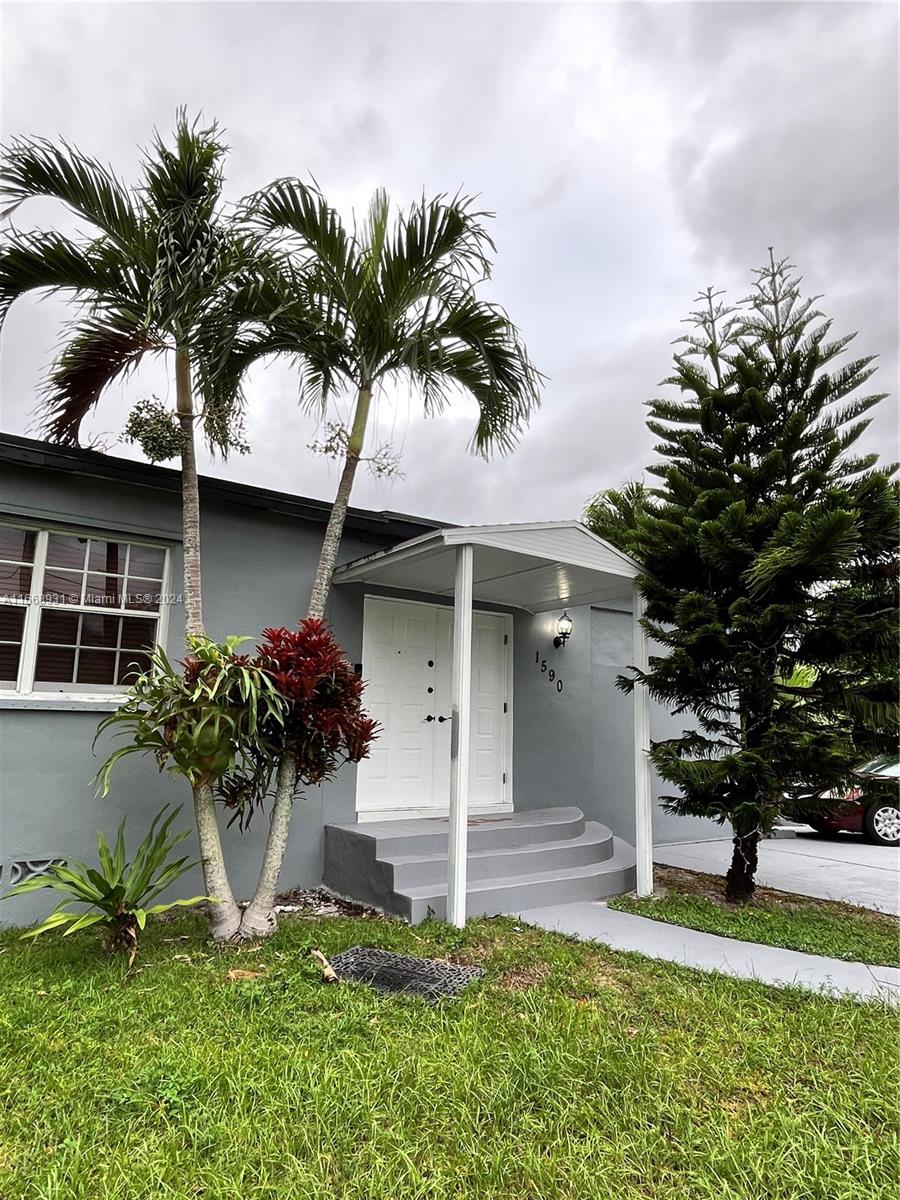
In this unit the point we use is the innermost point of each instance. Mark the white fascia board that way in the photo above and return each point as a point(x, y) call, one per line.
point(498, 536)
point(360, 569)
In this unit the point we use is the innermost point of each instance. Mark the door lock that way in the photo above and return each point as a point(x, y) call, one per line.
point(430, 717)
point(441, 720)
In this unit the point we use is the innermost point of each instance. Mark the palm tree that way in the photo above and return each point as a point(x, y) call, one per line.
point(614, 513)
point(394, 300)
point(162, 270)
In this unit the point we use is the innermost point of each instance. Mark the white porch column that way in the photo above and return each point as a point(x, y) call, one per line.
point(461, 704)
point(643, 805)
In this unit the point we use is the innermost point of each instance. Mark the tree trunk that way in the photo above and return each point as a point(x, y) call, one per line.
point(334, 531)
point(190, 497)
point(739, 882)
point(259, 918)
point(225, 916)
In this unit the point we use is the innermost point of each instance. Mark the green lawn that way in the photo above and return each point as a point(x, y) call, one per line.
point(773, 918)
point(570, 1072)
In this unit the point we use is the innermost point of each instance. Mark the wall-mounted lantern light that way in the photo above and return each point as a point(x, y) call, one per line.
point(564, 628)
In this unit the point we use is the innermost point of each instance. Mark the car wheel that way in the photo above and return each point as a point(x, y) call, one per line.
point(881, 823)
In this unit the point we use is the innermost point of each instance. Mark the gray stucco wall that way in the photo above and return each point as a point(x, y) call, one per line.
point(612, 646)
point(577, 746)
point(571, 746)
point(257, 571)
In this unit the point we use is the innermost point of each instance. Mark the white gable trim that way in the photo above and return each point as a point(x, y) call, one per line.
point(595, 554)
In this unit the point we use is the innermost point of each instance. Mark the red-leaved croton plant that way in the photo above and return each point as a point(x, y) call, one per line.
point(324, 723)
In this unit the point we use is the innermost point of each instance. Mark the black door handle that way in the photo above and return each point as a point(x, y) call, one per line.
point(429, 717)
point(441, 720)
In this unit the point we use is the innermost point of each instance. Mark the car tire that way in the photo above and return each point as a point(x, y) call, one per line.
point(881, 823)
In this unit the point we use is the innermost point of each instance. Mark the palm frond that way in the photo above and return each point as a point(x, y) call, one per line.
point(436, 245)
point(375, 235)
point(293, 209)
point(188, 177)
point(474, 346)
point(267, 309)
point(46, 261)
point(32, 167)
point(98, 351)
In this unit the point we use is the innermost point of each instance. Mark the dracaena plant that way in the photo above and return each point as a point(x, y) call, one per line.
point(321, 726)
point(210, 722)
point(120, 894)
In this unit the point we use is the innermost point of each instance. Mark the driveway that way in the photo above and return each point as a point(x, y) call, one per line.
point(840, 868)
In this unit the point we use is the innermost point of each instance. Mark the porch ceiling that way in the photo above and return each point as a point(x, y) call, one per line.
point(535, 567)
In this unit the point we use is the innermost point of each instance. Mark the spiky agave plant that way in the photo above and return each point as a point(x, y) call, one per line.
point(120, 894)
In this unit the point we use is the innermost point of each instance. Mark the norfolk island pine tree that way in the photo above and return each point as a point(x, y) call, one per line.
point(767, 546)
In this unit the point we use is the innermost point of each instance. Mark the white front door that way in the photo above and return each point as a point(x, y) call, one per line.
point(407, 662)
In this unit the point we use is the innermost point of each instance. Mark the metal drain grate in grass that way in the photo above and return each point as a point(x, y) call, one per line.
point(404, 973)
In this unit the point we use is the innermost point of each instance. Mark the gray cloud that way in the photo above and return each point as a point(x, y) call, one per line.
point(632, 153)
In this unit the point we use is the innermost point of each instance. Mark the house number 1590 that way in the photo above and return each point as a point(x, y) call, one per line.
point(548, 671)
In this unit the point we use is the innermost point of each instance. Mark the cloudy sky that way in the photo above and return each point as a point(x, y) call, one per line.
point(633, 153)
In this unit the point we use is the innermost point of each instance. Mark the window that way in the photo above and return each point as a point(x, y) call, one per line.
point(78, 613)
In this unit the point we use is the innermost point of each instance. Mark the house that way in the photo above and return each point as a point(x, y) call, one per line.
point(491, 714)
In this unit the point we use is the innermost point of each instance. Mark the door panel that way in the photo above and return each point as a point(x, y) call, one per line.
point(398, 644)
point(443, 707)
point(409, 765)
point(489, 726)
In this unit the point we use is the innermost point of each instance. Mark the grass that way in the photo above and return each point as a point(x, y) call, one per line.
point(569, 1073)
point(773, 918)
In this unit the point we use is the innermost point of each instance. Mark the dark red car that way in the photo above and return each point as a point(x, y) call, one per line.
point(877, 817)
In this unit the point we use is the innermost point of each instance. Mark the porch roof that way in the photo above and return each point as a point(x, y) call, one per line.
point(537, 567)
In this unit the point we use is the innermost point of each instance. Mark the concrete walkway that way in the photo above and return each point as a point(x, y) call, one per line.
point(591, 920)
point(843, 868)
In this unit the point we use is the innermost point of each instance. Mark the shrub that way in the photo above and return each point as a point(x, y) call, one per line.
point(120, 893)
point(214, 720)
point(324, 723)
point(229, 718)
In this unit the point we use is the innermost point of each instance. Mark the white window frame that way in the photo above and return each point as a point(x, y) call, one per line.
point(108, 695)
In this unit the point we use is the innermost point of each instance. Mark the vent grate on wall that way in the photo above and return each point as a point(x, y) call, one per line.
point(26, 868)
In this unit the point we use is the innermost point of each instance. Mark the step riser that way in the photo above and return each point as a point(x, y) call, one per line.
point(351, 870)
point(481, 837)
point(519, 896)
point(521, 861)
point(535, 859)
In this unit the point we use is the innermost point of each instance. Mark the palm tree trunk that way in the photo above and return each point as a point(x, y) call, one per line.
point(190, 496)
point(259, 919)
point(225, 916)
point(331, 542)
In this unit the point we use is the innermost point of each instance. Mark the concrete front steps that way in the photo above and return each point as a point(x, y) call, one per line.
point(516, 860)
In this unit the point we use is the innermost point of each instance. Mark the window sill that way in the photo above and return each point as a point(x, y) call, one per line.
point(62, 702)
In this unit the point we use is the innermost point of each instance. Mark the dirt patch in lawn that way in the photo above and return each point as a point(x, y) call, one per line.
point(603, 975)
point(520, 979)
point(681, 882)
point(318, 902)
